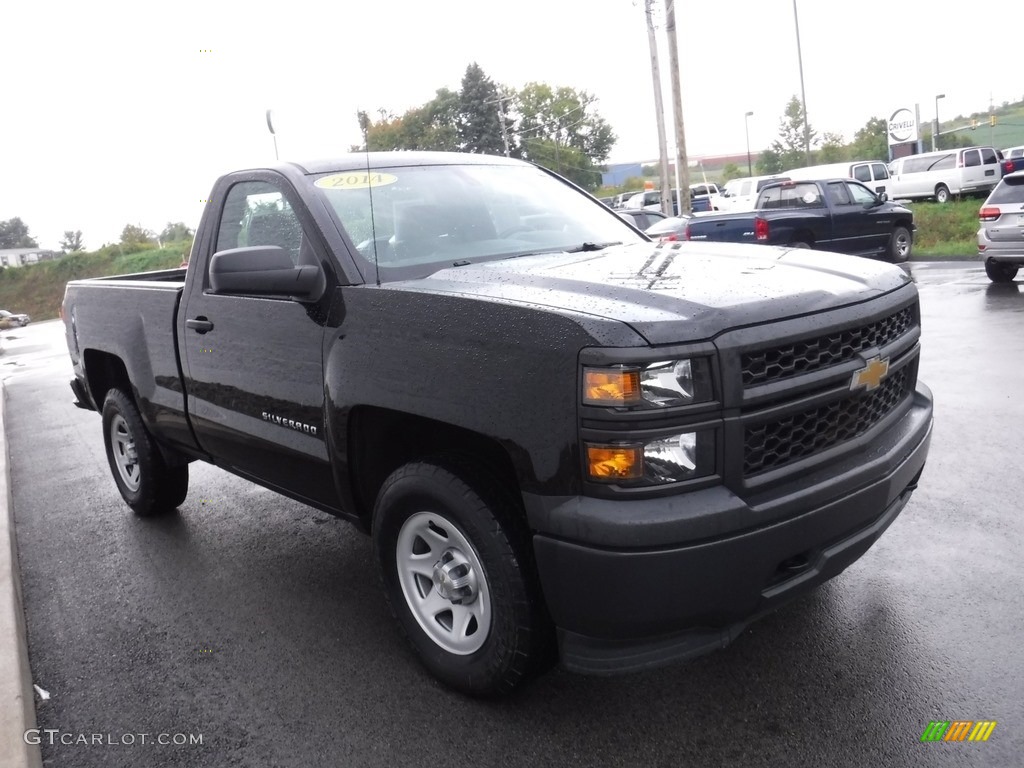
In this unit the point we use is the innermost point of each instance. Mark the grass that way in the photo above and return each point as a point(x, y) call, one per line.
point(946, 231)
point(38, 289)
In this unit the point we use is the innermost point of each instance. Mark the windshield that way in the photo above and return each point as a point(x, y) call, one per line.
point(429, 217)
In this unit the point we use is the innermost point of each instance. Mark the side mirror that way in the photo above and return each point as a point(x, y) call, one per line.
point(883, 197)
point(265, 270)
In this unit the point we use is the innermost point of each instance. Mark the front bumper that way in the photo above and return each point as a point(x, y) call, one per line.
point(621, 609)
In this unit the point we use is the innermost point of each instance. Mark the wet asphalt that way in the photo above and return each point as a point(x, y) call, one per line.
point(258, 624)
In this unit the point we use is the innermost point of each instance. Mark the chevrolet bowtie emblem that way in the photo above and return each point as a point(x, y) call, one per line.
point(871, 375)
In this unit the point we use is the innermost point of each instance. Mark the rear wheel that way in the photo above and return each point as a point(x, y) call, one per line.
point(147, 484)
point(900, 245)
point(457, 569)
point(942, 194)
point(799, 244)
point(999, 272)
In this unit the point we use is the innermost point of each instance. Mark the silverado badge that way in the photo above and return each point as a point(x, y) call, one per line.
point(871, 375)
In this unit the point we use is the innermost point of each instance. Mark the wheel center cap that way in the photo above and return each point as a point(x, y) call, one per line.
point(454, 579)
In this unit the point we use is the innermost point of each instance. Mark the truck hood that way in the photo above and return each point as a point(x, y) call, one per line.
point(674, 292)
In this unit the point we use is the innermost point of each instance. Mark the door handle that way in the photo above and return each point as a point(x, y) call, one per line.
point(199, 324)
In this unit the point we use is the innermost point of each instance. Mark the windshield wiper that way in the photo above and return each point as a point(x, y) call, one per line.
point(592, 247)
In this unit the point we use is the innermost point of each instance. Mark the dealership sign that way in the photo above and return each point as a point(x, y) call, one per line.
point(902, 127)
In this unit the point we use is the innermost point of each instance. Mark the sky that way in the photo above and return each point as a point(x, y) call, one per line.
point(117, 113)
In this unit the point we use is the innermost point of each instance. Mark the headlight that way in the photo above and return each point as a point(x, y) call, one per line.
point(657, 462)
point(653, 385)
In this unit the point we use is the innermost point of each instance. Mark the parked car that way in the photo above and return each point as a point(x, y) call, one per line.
point(642, 219)
point(669, 229)
point(1001, 236)
point(13, 320)
point(839, 215)
point(1011, 160)
point(700, 198)
point(564, 440)
point(741, 194)
point(943, 174)
point(872, 174)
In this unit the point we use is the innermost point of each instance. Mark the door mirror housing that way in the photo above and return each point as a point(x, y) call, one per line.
point(883, 198)
point(265, 270)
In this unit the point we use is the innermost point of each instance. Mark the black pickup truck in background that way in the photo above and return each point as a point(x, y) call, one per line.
point(838, 215)
point(565, 440)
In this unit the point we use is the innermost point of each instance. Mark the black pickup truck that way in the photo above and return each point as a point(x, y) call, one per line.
point(565, 440)
point(838, 215)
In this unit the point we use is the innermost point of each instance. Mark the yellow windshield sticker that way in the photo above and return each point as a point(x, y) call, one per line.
point(355, 180)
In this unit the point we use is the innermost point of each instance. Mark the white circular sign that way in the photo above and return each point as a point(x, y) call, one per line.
point(902, 126)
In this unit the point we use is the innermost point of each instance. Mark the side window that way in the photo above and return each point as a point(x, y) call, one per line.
point(837, 193)
point(862, 172)
point(744, 189)
point(971, 158)
point(944, 163)
point(988, 156)
point(257, 213)
point(880, 171)
point(860, 195)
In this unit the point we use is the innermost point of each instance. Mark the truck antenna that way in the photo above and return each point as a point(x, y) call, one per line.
point(369, 190)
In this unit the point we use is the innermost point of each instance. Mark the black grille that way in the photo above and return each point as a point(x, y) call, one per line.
point(767, 365)
point(775, 443)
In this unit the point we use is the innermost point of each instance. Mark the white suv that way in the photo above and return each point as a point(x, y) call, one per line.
point(741, 194)
point(1001, 237)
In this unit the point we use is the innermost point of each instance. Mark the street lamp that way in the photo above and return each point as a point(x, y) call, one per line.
point(270, 127)
point(935, 133)
point(746, 126)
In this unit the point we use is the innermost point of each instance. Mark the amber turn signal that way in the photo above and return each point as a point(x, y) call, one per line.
point(611, 386)
point(615, 462)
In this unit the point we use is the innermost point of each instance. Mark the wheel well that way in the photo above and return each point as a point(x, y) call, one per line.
point(803, 236)
point(103, 372)
point(382, 440)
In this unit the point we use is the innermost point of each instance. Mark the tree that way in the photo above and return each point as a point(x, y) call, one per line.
point(732, 171)
point(833, 148)
point(479, 121)
point(790, 144)
point(871, 142)
point(432, 126)
point(134, 235)
point(72, 241)
point(560, 129)
point(14, 234)
point(175, 231)
point(769, 162)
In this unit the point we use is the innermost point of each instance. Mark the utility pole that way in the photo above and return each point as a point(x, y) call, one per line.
point(682, 163)
point(500, 103)
point(803, 94)
point(659, 109)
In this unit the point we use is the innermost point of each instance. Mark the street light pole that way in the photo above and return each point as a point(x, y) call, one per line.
point(935, 133)
point(803, 94)
point(746, 126)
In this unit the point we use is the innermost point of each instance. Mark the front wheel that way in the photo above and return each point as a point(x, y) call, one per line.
point(900, 245)
point(999, 272)
point(458, 575)
point(147, 484)
point(942, 194)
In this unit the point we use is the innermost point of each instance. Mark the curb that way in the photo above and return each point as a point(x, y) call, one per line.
point(17, 699)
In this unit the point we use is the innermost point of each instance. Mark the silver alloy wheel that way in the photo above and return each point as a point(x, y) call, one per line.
point(444, 583)
point(903, 245)
point(125, 457)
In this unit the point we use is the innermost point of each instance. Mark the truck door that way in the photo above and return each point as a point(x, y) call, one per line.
point(254, 365)
point(871, 223)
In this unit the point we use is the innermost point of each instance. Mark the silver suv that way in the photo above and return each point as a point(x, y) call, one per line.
point(1001, 237)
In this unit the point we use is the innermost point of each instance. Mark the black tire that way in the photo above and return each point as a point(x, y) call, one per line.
point(799, 244)
point(147, 484)
point(999, 272)
point(900, 245)
point(446, 507)
point(942, 194)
